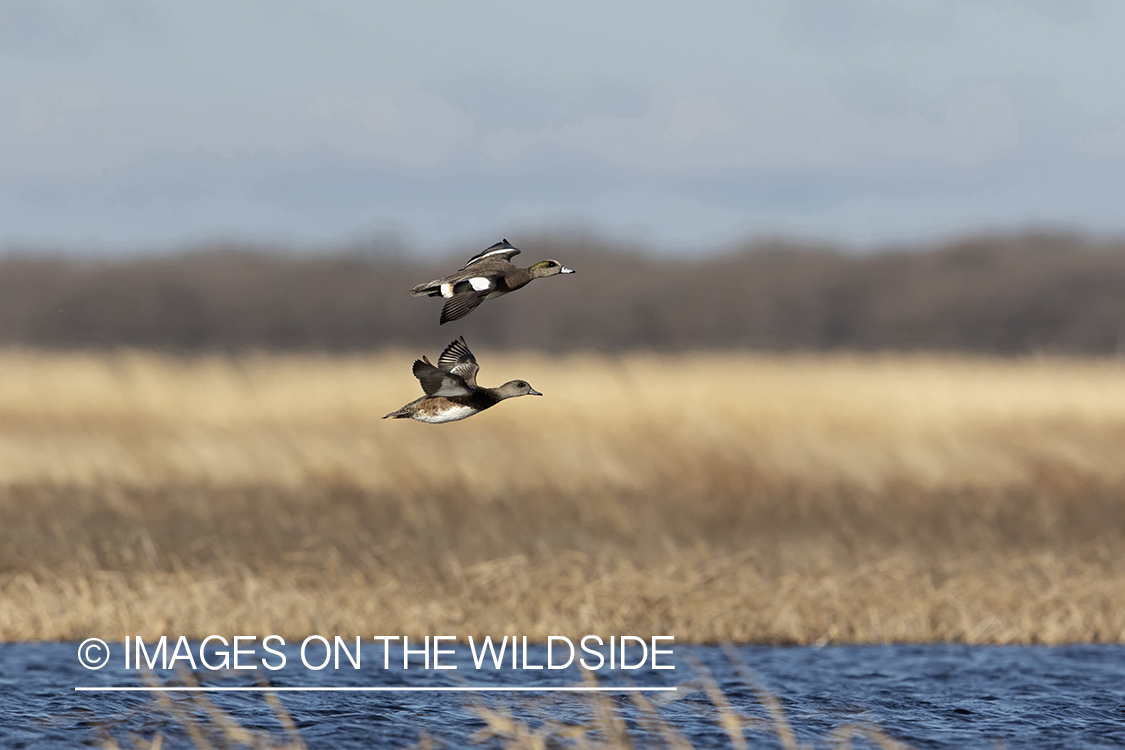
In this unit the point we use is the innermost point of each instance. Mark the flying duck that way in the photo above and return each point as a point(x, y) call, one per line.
point(487, 275)
point(451, 388)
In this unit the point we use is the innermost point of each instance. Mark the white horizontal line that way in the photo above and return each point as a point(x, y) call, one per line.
point(267, 689)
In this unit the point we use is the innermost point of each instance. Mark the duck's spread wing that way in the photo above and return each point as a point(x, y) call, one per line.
point(500, 251)
point(460, 305)
point(438, 382)
point(458, 360)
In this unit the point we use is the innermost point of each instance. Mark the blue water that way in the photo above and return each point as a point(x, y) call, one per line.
point(943, 696)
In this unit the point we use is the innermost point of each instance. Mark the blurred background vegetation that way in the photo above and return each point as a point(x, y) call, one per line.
point(1008, 294)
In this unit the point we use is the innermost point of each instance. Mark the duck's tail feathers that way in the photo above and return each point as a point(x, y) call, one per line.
point(430, 289)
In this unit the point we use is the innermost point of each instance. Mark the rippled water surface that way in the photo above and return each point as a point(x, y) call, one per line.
point(927, 696)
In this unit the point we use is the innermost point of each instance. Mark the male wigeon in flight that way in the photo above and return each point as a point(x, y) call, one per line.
point(487, 275)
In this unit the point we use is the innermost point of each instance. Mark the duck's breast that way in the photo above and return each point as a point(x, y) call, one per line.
point(436, 414)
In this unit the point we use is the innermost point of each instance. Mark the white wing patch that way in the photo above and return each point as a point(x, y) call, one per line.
point(487, 253)
point(451, 387)
point(480, 283)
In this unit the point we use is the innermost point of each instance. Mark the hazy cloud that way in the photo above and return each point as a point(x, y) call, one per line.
point(410, 127)
point(1104, 142)
point(125, 121)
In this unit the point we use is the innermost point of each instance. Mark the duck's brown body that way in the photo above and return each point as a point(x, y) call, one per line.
point(452, 393)
point(438, 409)
point(487, 275)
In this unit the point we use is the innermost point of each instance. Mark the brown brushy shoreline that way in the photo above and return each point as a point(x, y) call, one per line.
point(715, 498)
point(1010, 293)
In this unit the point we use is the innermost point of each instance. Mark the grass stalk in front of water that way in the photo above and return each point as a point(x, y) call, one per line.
point(529, 724)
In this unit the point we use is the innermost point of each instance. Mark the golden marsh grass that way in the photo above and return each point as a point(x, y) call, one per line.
point(727, 497)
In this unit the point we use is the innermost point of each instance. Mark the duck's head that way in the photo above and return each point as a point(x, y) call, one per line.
point(548, 268)
point(514, 388)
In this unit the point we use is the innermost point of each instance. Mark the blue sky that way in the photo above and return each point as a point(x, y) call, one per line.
point(448, 124)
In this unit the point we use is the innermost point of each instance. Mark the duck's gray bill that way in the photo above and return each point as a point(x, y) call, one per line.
point(534, 392)
point(567, 270)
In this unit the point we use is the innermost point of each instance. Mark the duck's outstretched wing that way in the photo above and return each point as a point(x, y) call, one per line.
point(501, 251)
point(460, 305)
point(458, 360)
point(438, 382)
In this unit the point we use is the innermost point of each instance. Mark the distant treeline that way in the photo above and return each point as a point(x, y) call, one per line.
point(1007, 294)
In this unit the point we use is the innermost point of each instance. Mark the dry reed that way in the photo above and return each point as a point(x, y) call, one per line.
point(529, 723)
point(714, 498)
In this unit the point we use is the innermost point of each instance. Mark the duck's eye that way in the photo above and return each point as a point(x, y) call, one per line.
point(522, 384)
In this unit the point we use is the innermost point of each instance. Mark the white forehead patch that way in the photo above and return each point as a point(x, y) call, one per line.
point(480, 283)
